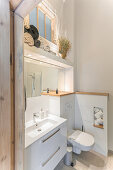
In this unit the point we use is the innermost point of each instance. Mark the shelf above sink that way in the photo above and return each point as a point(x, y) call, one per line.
point(45, 56)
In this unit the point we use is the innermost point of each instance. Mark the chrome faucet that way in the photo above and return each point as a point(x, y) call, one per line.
point(34, 117)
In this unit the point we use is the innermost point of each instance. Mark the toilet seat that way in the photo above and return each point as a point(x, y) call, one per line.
point(81, 140)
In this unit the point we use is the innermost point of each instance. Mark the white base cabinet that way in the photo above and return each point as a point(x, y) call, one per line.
point(46, 153)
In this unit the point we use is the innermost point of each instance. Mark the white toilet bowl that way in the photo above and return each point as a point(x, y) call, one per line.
point(80, 141)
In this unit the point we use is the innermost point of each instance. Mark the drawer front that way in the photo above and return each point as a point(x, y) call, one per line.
point(40, 153)
point(54, 159)
point(52, 141)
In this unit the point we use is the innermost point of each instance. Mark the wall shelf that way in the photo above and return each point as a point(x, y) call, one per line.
point(99, 126)
point(60, 93)
point(45, 56)
point(93, 93)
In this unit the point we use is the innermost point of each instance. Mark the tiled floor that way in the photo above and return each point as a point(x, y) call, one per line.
point(89, 161)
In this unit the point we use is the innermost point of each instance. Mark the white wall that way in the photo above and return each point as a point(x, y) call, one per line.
point(67, 110)
point(68, 80)
point(64, 10)
point(54, 105)
point(84, 115)
point(34, 105)
point(63, 106)
point(61, 80)
point(94, 50)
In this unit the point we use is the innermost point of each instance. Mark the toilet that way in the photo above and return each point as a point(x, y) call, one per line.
point(80, 141)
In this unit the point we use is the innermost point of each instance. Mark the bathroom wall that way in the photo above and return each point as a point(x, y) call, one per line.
point(34, 105)
point(67, 110)
point(64, 10)
point(94, 50)
point(63, 106)
point(54, 105)
point(84, 115)
point(68, 80)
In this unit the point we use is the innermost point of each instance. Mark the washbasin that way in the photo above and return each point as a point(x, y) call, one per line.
point(34, 132)
point(42, 126)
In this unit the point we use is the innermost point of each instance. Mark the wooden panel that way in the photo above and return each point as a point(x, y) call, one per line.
point(12, 86)
point(14, 3)
point(26, 21)
point(93, 93)
point(19, 92)
point(26, 6)
point(99, 126)
point(60, 93)
point(5, 109)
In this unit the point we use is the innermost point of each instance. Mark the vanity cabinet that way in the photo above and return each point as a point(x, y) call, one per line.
point(46, 153)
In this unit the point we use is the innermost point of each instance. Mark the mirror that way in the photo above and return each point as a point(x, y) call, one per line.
point(33, 84)
point(39, 76)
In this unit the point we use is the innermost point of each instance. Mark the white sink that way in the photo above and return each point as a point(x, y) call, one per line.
point(42, 126)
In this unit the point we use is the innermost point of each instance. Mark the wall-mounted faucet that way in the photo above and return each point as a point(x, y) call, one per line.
point(35, 115)
point(40, 115)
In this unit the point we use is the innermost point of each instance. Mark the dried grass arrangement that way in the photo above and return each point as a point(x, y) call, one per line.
point(64, 46)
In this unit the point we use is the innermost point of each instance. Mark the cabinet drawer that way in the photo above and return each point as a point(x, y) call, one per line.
point(54, 159)
point(51, 142)
point(43, 151)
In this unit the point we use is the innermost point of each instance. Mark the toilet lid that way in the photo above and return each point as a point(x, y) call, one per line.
point(82, 138)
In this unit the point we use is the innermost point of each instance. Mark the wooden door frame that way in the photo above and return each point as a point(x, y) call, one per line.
point(19, 14)
point(5, 87)
point(19, 91)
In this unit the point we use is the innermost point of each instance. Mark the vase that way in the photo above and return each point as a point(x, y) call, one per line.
point(64, 55)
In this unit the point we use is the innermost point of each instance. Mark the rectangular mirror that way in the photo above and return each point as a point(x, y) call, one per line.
point(39, 76)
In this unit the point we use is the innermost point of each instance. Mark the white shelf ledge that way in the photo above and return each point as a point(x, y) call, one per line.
point(44, 56)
